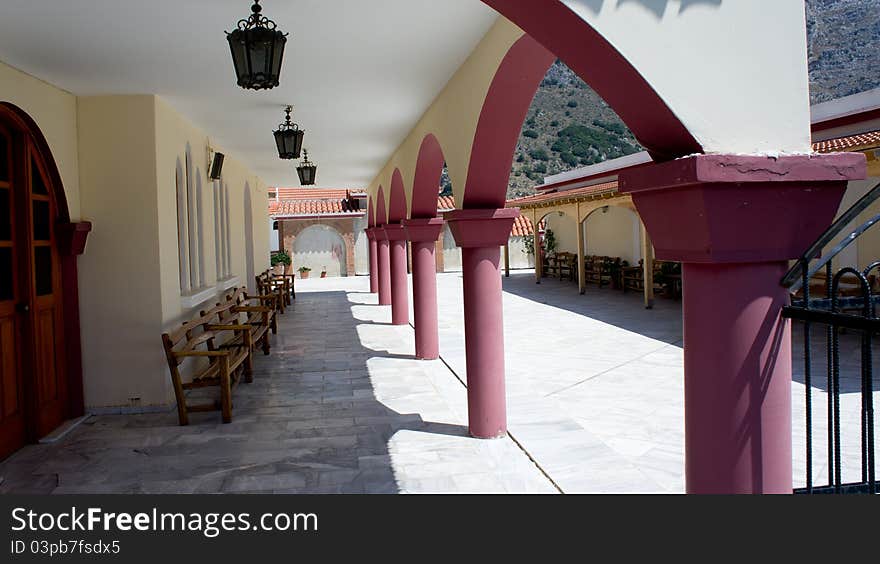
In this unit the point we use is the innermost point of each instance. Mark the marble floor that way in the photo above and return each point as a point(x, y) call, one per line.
point(595, 404)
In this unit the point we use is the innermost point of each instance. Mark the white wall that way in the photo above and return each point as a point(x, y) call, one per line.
point(361, 247)
point(320, 247)
point(451, 253)
point(733, 71)
point(519, 258)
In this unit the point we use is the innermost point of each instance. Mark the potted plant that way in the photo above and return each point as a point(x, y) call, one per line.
point(280, 261)
point(323, 272)
point(304, 271)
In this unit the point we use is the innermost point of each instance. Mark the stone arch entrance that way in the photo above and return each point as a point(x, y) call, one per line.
point(320, 243)
point(41, 368)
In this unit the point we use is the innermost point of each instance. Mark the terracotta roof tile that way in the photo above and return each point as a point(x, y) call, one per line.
point(308, 201)
point(522, 226)
point(862, 140)
point(445, 203)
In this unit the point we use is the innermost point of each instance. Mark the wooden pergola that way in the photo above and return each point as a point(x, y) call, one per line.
point(579, 203)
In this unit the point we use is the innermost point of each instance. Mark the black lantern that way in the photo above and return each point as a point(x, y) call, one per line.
point(306, 171)
point(289, 138)
point(257, 49)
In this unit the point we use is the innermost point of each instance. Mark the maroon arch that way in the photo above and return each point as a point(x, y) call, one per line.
point(608, 72)
point(71, 243)
point(381, 214)
point(397, 205)
point(504, 111)
point(426, 185)
point(371, 214)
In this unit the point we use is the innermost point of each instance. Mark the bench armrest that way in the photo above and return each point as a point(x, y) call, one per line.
point(201, 353)
point(252, 309)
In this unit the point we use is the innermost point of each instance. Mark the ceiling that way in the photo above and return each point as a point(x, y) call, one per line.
point(359, 73)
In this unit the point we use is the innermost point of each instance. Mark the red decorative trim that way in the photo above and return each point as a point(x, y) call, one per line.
point(429, 169)
point(381, 214)
point(504, 111)
point(397, 210)
point(423, 229)
point(701, 169)
point(480, 228)
point(851, 119)
point(72, 237)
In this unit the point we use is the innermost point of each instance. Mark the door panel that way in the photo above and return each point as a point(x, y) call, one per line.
point(13, 412)
point(50, 401)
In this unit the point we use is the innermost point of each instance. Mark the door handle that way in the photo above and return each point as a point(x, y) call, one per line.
point(22, 307)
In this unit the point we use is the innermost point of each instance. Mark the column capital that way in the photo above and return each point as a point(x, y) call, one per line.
point(423, 230)
point(371, 233)
point(740, 208)
point(473, 228)
point(394, 232)
point(379, 233)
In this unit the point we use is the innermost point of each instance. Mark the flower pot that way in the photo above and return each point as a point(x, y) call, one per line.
point(278, 269)
point(304, 274)
point(323, 275)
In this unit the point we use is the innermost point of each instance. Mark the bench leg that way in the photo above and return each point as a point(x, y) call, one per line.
point(225, 391)
point(182, 414)
point(266, 345)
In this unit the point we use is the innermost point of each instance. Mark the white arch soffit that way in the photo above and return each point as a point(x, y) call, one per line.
point(736, 92)
point(453, 116)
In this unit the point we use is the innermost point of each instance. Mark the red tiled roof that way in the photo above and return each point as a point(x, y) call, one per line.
point(445, 203)
point(862, 140)
point(309, 201)
point(522, 226)
point(550, 195)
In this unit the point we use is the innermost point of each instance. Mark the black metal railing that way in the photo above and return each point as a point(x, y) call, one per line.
point(848, 305)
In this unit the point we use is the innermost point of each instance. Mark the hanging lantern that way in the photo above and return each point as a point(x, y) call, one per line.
point(257, 49)
point(306, 171)
point(289, 138)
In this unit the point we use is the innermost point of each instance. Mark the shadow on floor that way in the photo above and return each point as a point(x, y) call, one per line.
point(624, 310)
point(309, 423)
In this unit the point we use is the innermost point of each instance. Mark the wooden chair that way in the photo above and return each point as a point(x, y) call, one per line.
point(565, 265)
point(223, 369)
point(633, 277)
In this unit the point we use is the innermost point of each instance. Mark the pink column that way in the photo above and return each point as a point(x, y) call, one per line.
point(423, 234)
point(734, 221)
point(374, 261)
point(399, 291)
point(480, 234)
point(384, 267)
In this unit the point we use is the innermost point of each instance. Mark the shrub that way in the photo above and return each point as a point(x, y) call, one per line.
point(530, 133)
point(281, 257)
point(539, 154)
point(572, 104)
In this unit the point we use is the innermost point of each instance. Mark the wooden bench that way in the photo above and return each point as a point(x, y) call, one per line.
point(275, 287)
point(598, 269)
point(259, 312)
point(197, 340)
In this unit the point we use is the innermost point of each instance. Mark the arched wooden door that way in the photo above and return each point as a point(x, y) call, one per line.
point(33, 384)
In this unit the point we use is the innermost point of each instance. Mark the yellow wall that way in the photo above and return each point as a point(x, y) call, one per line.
point(122, 151)
point(54, 110)
point(120, 298)
point(613, 234)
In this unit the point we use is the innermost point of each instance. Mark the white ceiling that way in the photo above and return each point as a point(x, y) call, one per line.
point(359, 73)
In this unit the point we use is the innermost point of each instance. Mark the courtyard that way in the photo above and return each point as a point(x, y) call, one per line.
point(594, 393)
